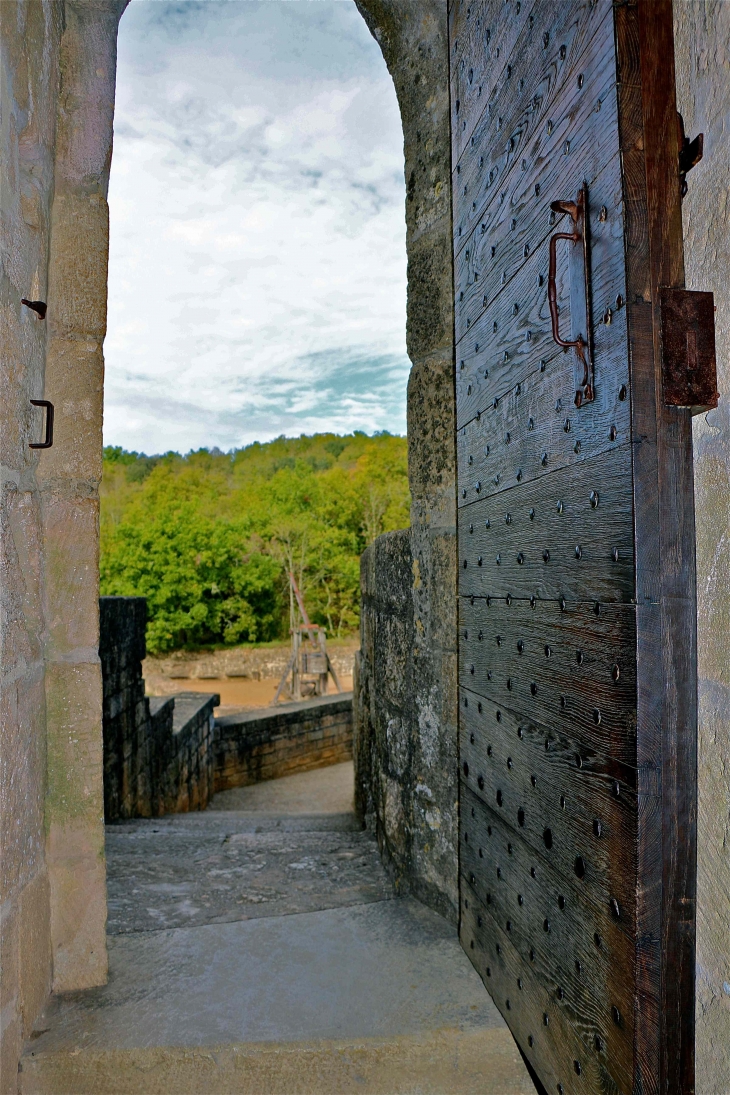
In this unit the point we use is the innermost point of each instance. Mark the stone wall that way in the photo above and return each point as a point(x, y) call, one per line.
point(702, 35)
point(418, 830)
point(58, 75)
point(158, 753)
point(125, 711)
point(183, 734)
point(167, 755)
point(404, 767)
point(69, 475)
point(268, 744)
point(30, 44)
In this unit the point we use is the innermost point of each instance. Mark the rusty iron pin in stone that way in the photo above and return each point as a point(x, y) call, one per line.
point(38, 306)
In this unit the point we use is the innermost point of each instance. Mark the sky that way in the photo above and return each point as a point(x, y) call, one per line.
point(257, 267)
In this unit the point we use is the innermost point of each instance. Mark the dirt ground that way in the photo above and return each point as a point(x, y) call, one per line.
point(244, 677)
point(238, 694)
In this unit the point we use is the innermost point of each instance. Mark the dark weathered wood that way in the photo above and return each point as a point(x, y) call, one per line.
point(586, 682)
point(539, 416)
point(561, 740)
point(552, 927)
point(492, 361)
point(554, 515)
point(512, 131)
point(482, 42)
point(519, 790)
point(677, 555)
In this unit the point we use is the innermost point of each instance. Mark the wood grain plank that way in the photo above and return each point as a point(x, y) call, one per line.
point(506, 345)
point(535, 1015)
point(520, 223)
point(539, 416)
point(483, 37)
point(556, 764)
point(566, 669)
point(552, 930)
point(520, 791)
point(677, 546)
point(542, 88)
point(511, 532)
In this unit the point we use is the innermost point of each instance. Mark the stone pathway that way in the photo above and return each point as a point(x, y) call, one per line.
point(258, 948)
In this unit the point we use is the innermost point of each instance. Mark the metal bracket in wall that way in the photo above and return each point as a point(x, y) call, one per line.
point(690, 152)
point(48, 439)
point(689, 366)
point(38, 306)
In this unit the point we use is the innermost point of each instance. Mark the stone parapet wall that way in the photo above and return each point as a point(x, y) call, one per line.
point(414, 722)
point(405, 766)
point(125, 711)
point(268, 744)
point(158, 754)
point(184, 778)
point(165, 755)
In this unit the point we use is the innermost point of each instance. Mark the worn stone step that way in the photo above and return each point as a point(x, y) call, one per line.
point(376, 998)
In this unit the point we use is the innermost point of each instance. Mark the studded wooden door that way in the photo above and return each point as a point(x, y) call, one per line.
point(576, 540)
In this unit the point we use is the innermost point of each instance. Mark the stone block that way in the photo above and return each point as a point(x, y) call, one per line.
point(75, 855)
point(75, 385)
point(71, 530)
point(78, 269)
point(22, 781)
point(34, 924)
point(75, 824)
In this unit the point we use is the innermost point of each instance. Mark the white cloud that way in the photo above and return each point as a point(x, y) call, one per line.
point(257, 268)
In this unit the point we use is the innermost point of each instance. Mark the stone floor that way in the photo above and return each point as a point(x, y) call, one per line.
point(258, 948)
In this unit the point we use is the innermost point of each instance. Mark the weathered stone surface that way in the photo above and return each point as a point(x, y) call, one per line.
point(362, 992)
point(702, 35)
point(68, 473)
point(406, 718)
point(29, 55)
point(405, 758)
point(274, 742)
point(376, 997)
point(217, 868)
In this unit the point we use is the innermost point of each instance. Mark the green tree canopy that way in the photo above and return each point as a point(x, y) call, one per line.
point(208, 538)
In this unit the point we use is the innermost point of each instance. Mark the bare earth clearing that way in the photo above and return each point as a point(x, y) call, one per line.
point(245, 677)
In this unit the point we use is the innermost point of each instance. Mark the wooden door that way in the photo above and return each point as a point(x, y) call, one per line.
point(576, 540)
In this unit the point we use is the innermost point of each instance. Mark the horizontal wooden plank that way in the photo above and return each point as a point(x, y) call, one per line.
point(556, 763)
point(567, 667)
point(525, 122)
point(601, 835)
point(551, 936)
point(483, 35)
point(520, 226)
point(539, 416)
point(548, 1043)
point(512, 337)
point(523, 542)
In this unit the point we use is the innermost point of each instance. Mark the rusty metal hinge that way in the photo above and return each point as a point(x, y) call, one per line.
point(690, 152)
point(689, 366)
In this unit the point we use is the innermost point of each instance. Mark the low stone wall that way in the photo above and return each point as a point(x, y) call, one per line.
point(406, 786)
point(267, 744)
point(183, 778)
point(254, 663)
point(166, 755)
point(157, 753)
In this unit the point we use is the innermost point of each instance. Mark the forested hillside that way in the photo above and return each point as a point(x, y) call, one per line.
point(208, 538)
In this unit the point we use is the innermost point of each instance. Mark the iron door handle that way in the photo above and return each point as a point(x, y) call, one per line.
point(579, 293)
point(48, 439)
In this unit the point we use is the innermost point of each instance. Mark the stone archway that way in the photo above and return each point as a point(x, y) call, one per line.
point(59, 75)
